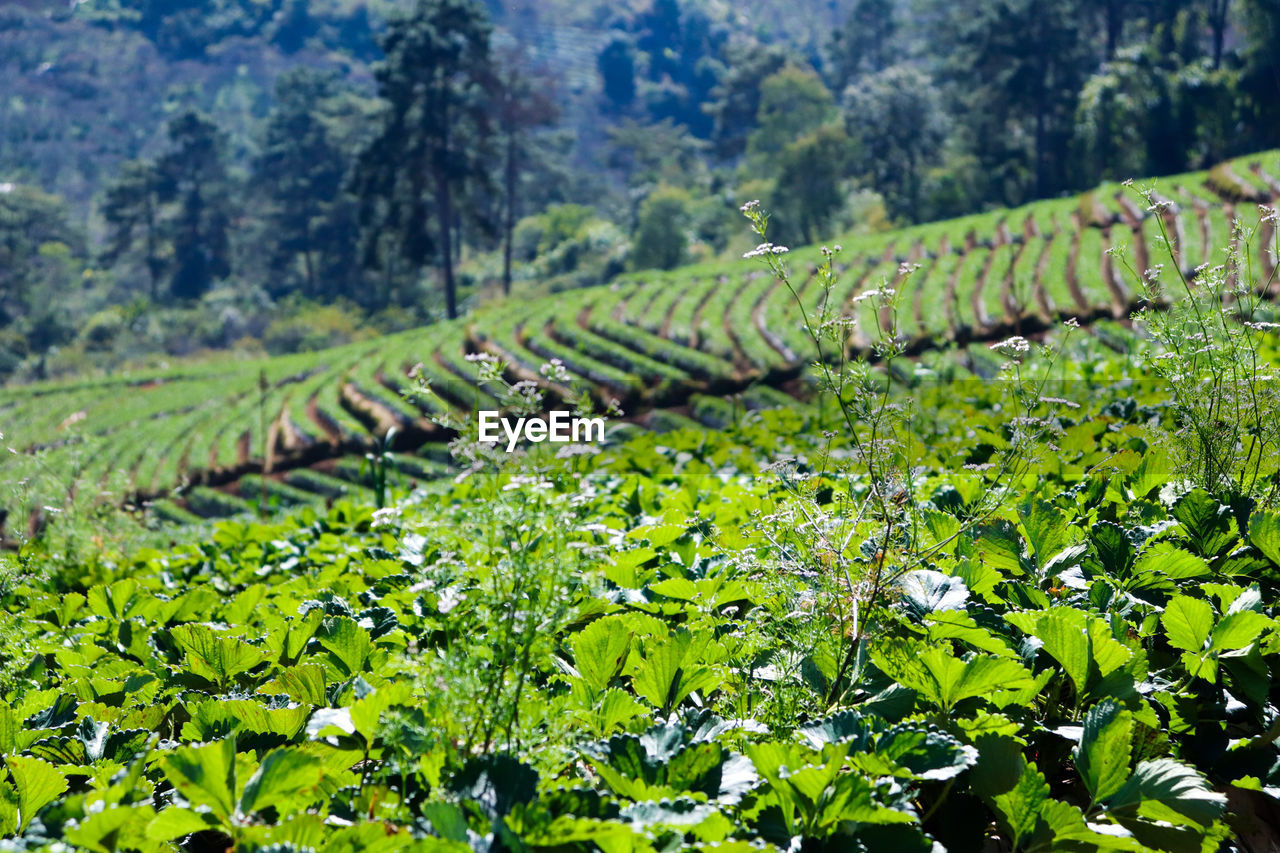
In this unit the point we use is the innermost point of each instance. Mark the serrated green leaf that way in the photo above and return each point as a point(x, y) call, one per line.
point(174, 823)
point(945, 679)
point(671, 670)
point(1102, 757)
point(1113, 548)
point(999, 546)
point(1020, 807)
point(349, 645)
point(1168, 559)
point(1066, 639)
point(958, 625)
point(600, 652)
point(303, 684)
point(38, 784)
point(205, 775)
point(287, 775)
point(1210, 527)
point(925, 591)
point(214, 657)
point(1187, 622)
point(1237, 630)
point(1175, 786)
point(1264, 534)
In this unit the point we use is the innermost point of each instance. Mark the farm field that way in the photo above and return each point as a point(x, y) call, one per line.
point(650, 648)
point(991, 575)
point(654, 341)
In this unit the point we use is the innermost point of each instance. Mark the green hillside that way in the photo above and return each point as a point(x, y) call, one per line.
point(650, 340)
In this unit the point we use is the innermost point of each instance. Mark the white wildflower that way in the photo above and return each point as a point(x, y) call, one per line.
point(1014, 347)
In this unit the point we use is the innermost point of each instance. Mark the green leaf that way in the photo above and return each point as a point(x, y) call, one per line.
point(286, 775)
point(1180, 793)
point(958, 625)
point(980, 579)
point(999, 546)
point(671, 670)
point(1170, 560)
point(112, 829)
point(38, 784)
point(926, 751)
point(942, 527)
point(303, 684)
point(218, 718)
point(1102, 757)
point(843, 727)
point(1114, 551)
point(349, 645)
point(1154, 472)
point(213, 657)
point(1264, 534)
point(924, 591)
point(9, 726)
point(1210, 527)
point(944, 678)
point(1066, 639)
point(1020, 807)
point(205, 775)
point(1237, 630)
point(175, 823)
point(1187, 622)
point(1048, 530)
point(600, 652)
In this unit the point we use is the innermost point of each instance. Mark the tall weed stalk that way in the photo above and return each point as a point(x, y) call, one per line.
point(1211, 331)
point(863, 537)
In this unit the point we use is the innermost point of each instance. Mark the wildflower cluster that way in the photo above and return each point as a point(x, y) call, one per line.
point(1209, 338)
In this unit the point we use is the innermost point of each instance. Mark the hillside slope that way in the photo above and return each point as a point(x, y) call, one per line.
point(649, 340)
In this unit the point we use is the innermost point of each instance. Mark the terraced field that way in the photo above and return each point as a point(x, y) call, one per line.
point(222, 434)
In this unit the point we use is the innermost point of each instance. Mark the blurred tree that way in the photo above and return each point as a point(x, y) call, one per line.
point(301, 170)
point(669, 57)
point(662, 231)
point(131, 208)
point(1260, 75)
point(735, 100)
point(1017, 67)
point(523, 104)
point(617, 66)
point(647, 155)
point(193, 174)
point(897, 126)
point(175, 210)
point(810, 183)
point(35, 235)
point(435, 133)
point(866, 44)
point(793, 102)
point(1215, 13)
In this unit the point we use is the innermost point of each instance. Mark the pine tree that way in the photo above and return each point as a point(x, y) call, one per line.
point(522, 106)
point(175, 211)
point(194, 173)
point(302, 170)
point(434, 140)
point(131, 208)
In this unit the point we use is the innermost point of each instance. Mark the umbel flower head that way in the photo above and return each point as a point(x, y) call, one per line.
point(1014, 348)
point(766, 249)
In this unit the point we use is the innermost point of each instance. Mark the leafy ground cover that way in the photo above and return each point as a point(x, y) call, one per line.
point(651, 647)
